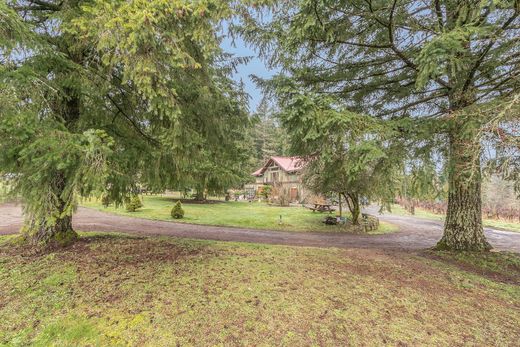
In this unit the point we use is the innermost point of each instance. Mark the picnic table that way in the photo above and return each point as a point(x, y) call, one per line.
point(322, 208)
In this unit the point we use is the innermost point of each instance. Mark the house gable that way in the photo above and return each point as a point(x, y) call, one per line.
point(279, 169)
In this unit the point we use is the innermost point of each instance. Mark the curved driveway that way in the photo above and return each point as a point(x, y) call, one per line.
point(415, 233)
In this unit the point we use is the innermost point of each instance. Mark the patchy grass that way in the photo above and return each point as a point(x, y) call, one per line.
point(501, 266)
point(256, 215)
point(491, 223)
point(121, 290)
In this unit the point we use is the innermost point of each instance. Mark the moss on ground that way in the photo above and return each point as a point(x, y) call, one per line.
point(121, 290)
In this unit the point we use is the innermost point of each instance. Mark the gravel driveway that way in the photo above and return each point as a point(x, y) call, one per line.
point(415, 233)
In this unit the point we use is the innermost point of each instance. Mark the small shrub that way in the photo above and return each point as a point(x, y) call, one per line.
point(177, 211)
point(134, 204)
point(105, 200)
point(265, 191)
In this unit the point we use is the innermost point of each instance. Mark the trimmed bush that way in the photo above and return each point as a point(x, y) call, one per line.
point(134, 204)
point(177, 211)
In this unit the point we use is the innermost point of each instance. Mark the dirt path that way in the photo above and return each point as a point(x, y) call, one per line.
point(415, 233)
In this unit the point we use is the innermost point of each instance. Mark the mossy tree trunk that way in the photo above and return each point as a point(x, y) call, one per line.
point(60, 232)
point(55, 228)
point(463, 229)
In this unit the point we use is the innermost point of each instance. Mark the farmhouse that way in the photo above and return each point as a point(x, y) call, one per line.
point(284, 174)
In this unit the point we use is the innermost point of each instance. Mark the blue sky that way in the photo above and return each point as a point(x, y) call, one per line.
point(255, 67)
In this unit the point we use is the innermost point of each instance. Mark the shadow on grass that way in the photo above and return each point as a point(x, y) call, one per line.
point(501, 267)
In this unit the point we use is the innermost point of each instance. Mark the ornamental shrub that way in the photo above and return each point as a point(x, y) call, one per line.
point(134, 204)
point(177, 211)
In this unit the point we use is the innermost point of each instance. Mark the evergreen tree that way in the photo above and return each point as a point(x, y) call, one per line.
point(445, 68)
point(346, 153)
point(269, 137)
point(177, 211)
point(134, 203)
point(98, 96)
point(213, 158)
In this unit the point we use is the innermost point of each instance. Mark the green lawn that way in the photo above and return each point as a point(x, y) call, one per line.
point(492, 223)
point(110, 289)
point(237, 214)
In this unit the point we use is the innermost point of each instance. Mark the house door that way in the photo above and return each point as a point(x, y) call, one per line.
point(294, 193)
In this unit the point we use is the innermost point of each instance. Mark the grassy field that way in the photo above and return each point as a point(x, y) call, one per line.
point(492, 223)
point(121, 290)
point(255, 215)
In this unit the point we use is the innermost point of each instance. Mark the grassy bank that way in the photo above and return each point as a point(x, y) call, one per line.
point(492, 223)
point(120, 290)
point(255, 215)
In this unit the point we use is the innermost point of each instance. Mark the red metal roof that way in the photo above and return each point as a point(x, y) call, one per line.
point(288, 164)
point(258, 172)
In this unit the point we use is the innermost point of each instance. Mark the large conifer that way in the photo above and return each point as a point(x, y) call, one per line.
point(98, 96)
point(448, 66)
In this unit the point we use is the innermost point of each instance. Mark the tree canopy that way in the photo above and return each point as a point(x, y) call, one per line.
point(98, 96)
point(444, 69)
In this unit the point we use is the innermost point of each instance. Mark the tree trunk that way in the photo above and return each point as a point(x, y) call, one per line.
point(59, 233)
point(340, 207)
point(55, 229)
point(55, 226)
point(200, 194)
point(463, 226)
point(352, 200)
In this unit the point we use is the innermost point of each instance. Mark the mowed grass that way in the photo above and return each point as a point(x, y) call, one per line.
point(421, 213)
point(120, 290)
point(256, 215)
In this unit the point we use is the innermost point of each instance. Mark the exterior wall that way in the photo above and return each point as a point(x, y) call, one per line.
point(302, 194)
point(275, 175)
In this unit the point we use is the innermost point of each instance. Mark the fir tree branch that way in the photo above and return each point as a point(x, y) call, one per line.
point(438, 12)
point(132, 122)
point(415, 103)
point(488, 47)
point(399, 53)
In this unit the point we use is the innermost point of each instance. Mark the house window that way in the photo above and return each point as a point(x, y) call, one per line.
point(274, 175)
